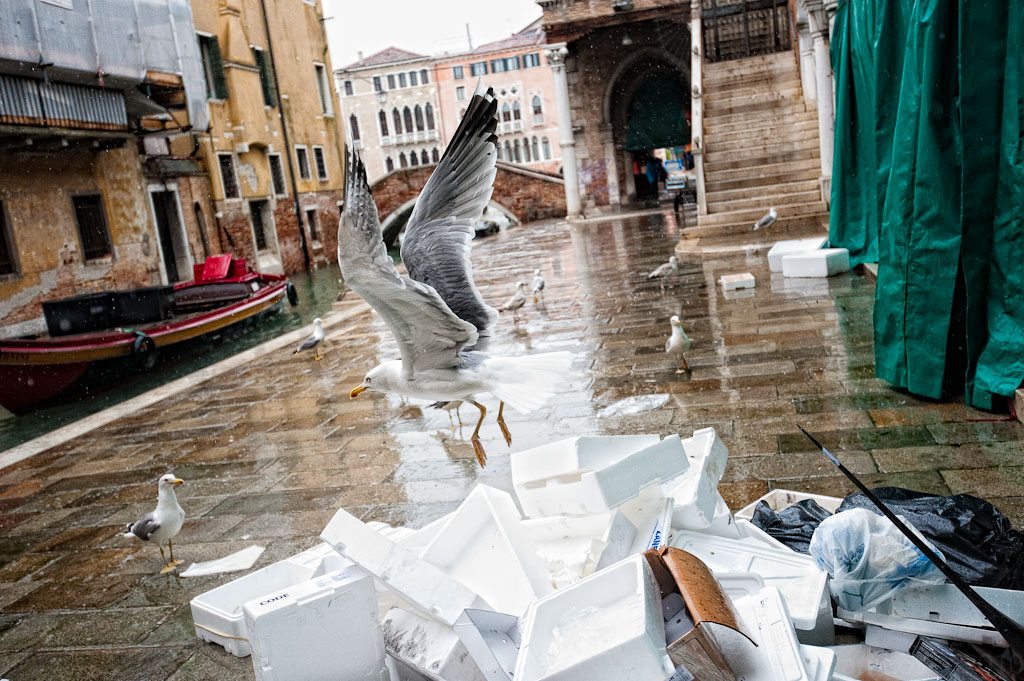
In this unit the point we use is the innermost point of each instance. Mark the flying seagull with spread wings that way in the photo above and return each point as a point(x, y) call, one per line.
point(436, 313)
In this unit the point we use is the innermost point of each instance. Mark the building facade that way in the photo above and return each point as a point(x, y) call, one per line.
point(390, 110)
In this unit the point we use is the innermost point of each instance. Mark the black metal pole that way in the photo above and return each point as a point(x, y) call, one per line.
point(1011, 631)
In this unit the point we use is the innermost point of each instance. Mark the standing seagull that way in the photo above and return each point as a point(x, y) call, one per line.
point(665, 270)
point(164, 523)
point(768, 219)
point(448, 406)
point(313, 341)
point(517, 300)
point(538, 286)
point(436, 313)
point(678, 343)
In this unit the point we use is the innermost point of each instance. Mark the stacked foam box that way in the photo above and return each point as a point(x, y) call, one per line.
point(784, 248)
point(824, 262)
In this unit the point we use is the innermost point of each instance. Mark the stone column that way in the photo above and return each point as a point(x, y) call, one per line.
point(806, 62)
point(823, 86)
point(627, 163)
point(614, 192)
point(556, 59)
point(697, 103)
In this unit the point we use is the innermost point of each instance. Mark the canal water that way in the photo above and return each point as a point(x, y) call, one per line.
point(103, 388)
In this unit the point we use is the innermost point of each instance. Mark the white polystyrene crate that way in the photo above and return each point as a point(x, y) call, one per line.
point(696, 491)
point(819, 661)
point(777, 656)
point(945, 603)
point(573, 547)
point(779, 499)
point(859, 661)
point(322, 629)
point(606, 627)
point(748, 530)
point(573, 454)
point(824, 262)
point(733, 282)
point(425, 649)
point(484, 547)
point(783, 248)
point(217, 614)
point(421, 584)
point(417, 540)
point(605, 477)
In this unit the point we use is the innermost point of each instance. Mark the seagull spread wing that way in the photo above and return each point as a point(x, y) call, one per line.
point(429, 334)
point(436, 249)
point(145, 526)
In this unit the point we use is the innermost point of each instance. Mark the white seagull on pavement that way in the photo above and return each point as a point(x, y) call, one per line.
point(665, 270)
point(517, 300)
point(313, 341)
point(768, 219)
point(436, 313)
point(678, 343)
point(164, 523)
point(538, 286)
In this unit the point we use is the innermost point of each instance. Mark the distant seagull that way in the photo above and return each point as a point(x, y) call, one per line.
point(768, 219)
point(164, 523)
point(517, 300)
point(665, 270)
point(448, 406)
point(678, 343)
point(313, 341)
point(538, 285)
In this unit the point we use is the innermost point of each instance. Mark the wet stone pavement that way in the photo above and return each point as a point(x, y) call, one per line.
point(270, 451)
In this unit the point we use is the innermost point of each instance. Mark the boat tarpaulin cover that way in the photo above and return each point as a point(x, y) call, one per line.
point(928, 179)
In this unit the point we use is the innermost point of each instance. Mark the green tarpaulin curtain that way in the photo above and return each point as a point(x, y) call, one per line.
point(929, 180)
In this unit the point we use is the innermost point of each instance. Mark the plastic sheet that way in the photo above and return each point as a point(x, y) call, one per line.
point(634, 405)
point(239, 560)
point(792, 526)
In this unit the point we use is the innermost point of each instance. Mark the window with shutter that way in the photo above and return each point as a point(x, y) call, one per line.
point(227, 176)
point(266, 76)
point(213, 67)
point(92, 226)
point(8, 262)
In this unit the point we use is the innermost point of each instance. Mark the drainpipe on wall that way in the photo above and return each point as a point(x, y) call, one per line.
point(284, 131)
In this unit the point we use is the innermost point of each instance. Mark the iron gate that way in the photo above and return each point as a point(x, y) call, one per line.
point(744, 28)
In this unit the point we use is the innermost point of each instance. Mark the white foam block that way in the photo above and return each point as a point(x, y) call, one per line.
point(603, 479)
point(696, 491)
point(777, 657)
point(484, 547)
point(824, 262)
point(783, 248)
point(732, 282)
point(573, 454)
point(576, 546)
point(426, 649)
point(607, 627)
point(421, 584)
point(324, 628)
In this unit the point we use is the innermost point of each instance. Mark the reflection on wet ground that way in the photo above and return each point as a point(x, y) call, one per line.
point(269, 452)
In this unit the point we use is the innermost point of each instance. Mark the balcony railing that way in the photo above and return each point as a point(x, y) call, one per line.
point(24, 101)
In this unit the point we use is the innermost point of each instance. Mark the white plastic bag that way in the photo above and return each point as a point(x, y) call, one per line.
point(869, 559)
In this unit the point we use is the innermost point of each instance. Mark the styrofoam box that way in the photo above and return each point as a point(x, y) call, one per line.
point(322, 629)
point(696, 490)
point(824, 262)
point(425, 649)
point(732, 282)
point(583, 476)
point(607, 627)
point(861, 661)
point(819, 661)
point(777, 656)
point(779, 499)
point(748, 530)
point(945, 603)
point(782, 248)
point(954, 632)
point(576, 546)
point(484, 547)
point(217, 614)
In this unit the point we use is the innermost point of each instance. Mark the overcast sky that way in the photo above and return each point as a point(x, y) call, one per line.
point(422, 26)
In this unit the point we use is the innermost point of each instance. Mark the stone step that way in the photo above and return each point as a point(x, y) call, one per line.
point(793, 88)
point(780, 124)
point(735, 241)
point(762, 190)
point(781, 62)
point(763, 201)
point(752, 215)
point(768, 102)
point(796, 134)
point(756, 147)
point(757, 114)
point(776, 232)
point(723, 102)
point(752, 161)
point(766, 171)
point(764, 78)
point(716, 183)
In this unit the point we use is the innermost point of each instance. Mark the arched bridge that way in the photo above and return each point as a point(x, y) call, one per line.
point(526, 194)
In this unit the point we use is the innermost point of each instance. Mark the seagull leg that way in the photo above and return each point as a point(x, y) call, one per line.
point(316, 354)
point(478, 449)
point(170, 547)
point(459, 416)
point(167, 566)
point(501, 424)
point(686, 366)
point(450, 421)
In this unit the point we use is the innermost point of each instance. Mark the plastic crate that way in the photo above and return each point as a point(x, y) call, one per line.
point(81, 314)
point(143, 305)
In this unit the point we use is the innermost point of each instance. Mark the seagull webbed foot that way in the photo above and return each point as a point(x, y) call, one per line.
point(168, 568)
point(478, 449)
point(501, 424)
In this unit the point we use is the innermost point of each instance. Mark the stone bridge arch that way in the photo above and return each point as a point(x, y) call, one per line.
point(521, 193)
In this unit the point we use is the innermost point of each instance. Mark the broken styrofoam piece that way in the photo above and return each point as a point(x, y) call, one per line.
point(944, 630)
point(779, 499)
point(421, 584)
point(946, 603)
point(324, 628)
point(783, 248)
point(748, 530)
point(777, 656)
point(860, 661)
point(732, 282)
point(819, 662)
point(606, 627)
point(798, 577)
point(484, 547)
point(217, 614)
point(824, 262)
point(426, 649)
point(418, 540)
point(576, 546)
point(239, 560)
point(583, 476)
point(637, 404)
point(696, 491)
point(492, 639)
point(723, 524)
point(657, 531)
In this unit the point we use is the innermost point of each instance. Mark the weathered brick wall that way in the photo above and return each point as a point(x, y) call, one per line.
point(287, 227)
point(322, 250)
point(194, 191)
point(561, 11)
point(235, 230)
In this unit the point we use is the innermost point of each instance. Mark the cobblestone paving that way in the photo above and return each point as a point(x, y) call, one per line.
point(268, 453)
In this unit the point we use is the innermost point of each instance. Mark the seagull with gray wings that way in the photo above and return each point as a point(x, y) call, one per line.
point(768, 219)
point(164, 523)
point(313, 341)
point(436, 313)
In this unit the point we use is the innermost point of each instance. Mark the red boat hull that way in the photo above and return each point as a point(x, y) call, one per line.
point(26, 385)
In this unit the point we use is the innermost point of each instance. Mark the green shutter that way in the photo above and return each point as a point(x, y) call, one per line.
point(220, 83)
point(266, 77)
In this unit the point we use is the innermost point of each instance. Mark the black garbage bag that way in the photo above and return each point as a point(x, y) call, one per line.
point(977, 540)
point(792, 526)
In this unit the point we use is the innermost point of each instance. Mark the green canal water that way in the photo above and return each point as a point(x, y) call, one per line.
point(98, 390)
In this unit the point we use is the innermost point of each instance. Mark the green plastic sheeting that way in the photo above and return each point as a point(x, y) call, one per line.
point(929, 180)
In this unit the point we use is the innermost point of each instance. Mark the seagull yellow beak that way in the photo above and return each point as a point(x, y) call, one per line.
point(177, 481)
point(356, 391)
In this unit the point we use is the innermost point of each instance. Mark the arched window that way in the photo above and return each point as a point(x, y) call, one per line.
point(424, 157)
point(407, 119)
point(536, 154)
point(389, 163)
point(506, 112)
point(546, 145)
point(498, 147)
point(353, 124)
point(419, 116)
point(434, 156)
point(516, 113)
point(526, 150)
point(397, 118)
point(403, 161)
point(508, 152)
point(413, 159)
point(383, 118)
point(519, 156)
point(537, 109)
point(429, 111)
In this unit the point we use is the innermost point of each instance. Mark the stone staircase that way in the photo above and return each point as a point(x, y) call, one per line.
point(760, 150)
